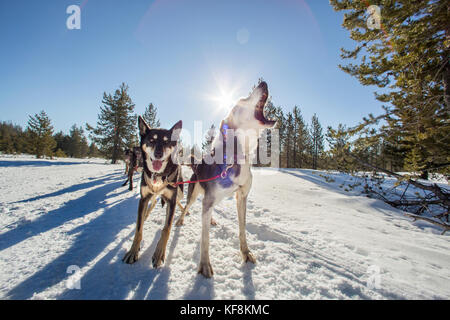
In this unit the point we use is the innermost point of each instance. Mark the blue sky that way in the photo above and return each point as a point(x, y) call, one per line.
point(178, 54)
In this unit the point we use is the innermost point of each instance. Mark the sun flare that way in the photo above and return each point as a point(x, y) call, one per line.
point(224, 98)
point(223, 93)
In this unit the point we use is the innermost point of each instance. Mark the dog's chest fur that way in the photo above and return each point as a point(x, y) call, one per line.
point(157, 187)
point(155, 184)
point(158, 184)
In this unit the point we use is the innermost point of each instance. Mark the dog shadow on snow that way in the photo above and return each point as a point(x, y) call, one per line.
point(71, 210)
point(41, 163)
point(85, 185)
point(91, 238)
point(110, 278)
point(98, 247)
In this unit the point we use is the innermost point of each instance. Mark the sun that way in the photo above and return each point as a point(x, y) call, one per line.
point(223, 93)
point(223, 99)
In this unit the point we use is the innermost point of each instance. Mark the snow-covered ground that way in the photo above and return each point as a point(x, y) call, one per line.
point(312, 240)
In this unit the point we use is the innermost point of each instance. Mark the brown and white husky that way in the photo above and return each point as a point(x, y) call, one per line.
point(158, 176)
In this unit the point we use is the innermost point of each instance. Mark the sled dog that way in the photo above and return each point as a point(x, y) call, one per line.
point(159, 176)
point(127, 160)
point(135, 163)
point(234, 174)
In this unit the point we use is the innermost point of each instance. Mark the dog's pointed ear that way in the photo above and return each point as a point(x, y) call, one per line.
point(261, 92)
point(176, 130)
point(143, 126)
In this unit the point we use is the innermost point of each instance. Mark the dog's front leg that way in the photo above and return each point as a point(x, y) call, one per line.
point(241, 198)
point(150, 209)
point(205, 265)
point(133, 255)
point(131, 172)
point(160, 251)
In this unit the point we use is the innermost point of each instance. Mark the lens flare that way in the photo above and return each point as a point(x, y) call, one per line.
point(223, 99)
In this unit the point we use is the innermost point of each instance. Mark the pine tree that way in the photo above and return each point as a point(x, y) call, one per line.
point(41, 135)
point(209, 138)
point(116, 125)
point(11, 138)
point(150, 115)
point(60, 154)
point(77, 146)
point(289, 139)
point(281, 126)
point(295, 115)
point(93, 151)
point(62, 142)
point(408, 58)
point(317, 145)
point(302, 139)
point(338, 143)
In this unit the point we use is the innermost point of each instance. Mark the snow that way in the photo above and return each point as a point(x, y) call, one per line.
point(312, 240)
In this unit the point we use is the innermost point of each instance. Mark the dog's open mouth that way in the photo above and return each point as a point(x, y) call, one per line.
point(259, 115)
point(157, 164)
point(259, 110)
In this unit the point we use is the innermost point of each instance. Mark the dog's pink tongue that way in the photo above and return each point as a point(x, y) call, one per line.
point(157, 164)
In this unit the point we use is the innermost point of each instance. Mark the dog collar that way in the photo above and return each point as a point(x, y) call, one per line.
point(168, 178)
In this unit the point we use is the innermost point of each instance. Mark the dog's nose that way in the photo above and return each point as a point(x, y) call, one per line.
point(158, 154)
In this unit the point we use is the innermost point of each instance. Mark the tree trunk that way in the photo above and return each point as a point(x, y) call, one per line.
point(424, 175)
point(295, 155)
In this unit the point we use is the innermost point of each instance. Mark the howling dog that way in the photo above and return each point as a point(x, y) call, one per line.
point(134, 162)
point(233, 174)
point(159, 179)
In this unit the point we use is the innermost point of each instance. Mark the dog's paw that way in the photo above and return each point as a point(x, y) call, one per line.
point(158, 256)
point(206, 270)
point(131, 256)
point(248, 257)
point(180, 222)
point(213, 222)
